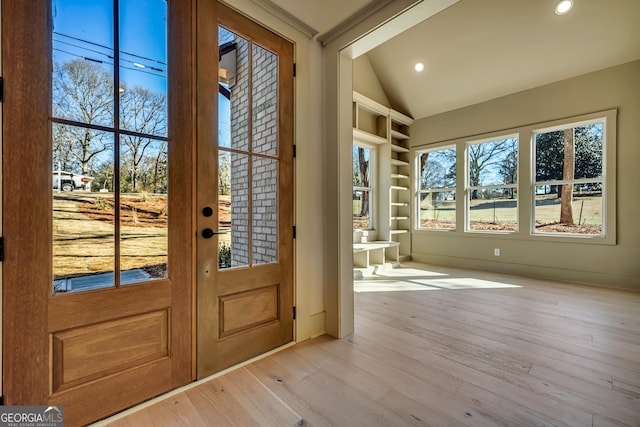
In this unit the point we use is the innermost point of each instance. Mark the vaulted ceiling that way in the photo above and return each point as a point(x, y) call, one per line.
point(478, 50)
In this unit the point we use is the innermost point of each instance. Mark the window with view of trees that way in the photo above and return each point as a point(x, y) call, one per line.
point(362, 188)
point(569, 179)
point(492, 178)
point(571, 194)
point(437, 189)
point(109, 143)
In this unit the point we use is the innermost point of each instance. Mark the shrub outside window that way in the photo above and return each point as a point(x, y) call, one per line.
point(492, 185)
point(436, 189)
point(570, 179)
point(362, 188)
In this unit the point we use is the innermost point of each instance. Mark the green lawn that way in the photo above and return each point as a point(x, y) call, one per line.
point(502, 214)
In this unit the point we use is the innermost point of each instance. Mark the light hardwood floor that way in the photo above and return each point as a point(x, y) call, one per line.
point(441, 347)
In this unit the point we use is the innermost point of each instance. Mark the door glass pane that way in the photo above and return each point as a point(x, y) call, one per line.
point(86, 203)
point(143, 209)
point(247, 183)
point(233, 213)
point(264, 87)
point(82, 43)
point(143, 66)
point(83, 218)
point(233, 88)
point(265, 210)
point(224, 209)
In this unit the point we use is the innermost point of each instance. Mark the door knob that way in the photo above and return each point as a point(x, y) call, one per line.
point(208, 233)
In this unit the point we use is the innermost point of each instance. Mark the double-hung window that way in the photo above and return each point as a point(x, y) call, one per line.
point(363, 188)
point(492, 180)
point(569, 185)
point(436, 207)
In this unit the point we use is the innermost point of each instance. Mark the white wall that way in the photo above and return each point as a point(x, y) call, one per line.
point(308, 170)
point(365, 81)
point(337, 85)
point(615, 266)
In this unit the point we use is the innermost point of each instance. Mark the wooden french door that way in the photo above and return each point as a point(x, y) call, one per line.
point(244, 188)
point(98, 203)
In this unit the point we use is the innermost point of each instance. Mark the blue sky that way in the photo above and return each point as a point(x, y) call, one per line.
point(85, 29)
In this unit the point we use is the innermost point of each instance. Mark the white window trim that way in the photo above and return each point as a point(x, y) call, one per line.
point(609, 138)
point(526, 187)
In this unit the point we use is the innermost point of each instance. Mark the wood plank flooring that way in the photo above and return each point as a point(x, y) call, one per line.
point(442, 347)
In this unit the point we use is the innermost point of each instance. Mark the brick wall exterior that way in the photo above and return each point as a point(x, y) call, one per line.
point(264, 171)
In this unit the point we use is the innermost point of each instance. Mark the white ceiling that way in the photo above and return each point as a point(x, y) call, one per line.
point(478, 50)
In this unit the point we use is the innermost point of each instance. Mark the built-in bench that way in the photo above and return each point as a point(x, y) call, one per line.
point(367, 254)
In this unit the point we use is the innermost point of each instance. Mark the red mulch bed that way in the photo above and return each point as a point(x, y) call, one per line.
point(142, 213)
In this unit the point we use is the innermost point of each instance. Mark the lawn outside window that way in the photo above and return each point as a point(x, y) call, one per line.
point(492, 185)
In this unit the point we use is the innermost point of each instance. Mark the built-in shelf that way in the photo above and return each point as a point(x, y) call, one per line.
point(399, 176)
point(400, 211)
point(396, 162)
point(398, 135)
point(360, 135)
point(399, 149)
point(399, 232)
point(375, 124)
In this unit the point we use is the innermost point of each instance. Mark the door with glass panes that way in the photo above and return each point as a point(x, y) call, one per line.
point(96, 203)
point(244, 189)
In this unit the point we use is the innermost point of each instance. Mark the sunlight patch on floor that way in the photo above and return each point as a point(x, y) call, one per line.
point(467, 283)
point(415, 279)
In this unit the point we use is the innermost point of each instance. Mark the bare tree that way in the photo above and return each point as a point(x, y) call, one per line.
point(160, 166)
point(508, 168)
point(82, 92)
point(484, 155)
point(142, 111)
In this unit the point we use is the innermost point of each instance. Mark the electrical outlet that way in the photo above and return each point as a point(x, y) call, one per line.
point(496, 252)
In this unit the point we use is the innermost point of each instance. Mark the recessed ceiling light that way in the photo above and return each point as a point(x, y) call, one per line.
point(563, 7)
point(419, 66)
